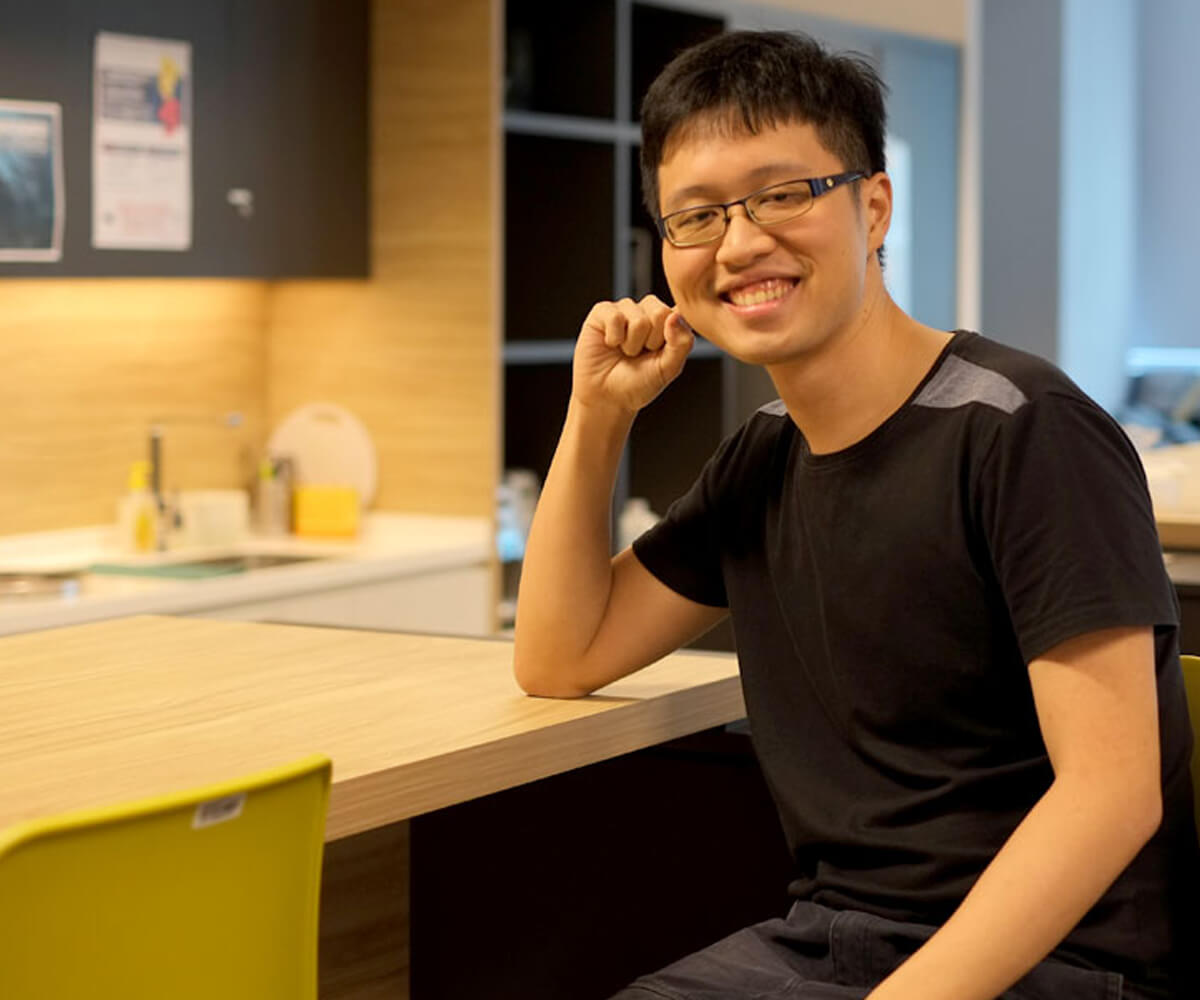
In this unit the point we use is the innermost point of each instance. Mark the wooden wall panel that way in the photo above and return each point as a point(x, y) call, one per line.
point(414, 350)
point(87, 365)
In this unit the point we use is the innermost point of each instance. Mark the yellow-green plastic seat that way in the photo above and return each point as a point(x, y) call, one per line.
point(209, 894)
point(1191, 681)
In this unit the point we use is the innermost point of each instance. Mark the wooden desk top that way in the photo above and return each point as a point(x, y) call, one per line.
point(137, 706)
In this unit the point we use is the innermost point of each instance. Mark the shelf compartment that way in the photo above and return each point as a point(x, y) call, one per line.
point(558, 234)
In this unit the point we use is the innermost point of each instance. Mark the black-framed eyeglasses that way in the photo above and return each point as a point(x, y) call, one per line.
point(769, 206)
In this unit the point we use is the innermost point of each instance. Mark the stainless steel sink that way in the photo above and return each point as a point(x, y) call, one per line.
point(241, 563)
point(200, 569)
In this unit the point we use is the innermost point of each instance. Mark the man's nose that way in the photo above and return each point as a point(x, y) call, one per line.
point(744, 239)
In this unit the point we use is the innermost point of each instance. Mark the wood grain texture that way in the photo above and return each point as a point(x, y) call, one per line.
point(414, 351)
point(139, 706)
point(364, 944)
point(87, 365)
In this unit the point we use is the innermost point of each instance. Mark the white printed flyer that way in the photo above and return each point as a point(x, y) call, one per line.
point(31, 181)
point(141, 144)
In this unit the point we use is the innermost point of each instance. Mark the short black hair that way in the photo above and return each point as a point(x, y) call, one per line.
point(750, 80)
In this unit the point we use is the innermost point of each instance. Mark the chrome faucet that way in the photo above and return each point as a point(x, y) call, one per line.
point(156, 487)
point(167, 512)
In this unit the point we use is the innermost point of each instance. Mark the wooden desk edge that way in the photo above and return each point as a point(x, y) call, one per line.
point(372, 800)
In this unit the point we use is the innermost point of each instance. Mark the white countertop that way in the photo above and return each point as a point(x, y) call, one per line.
point(389, 546)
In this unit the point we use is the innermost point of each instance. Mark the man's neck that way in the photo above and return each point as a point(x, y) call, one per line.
point(842, 393)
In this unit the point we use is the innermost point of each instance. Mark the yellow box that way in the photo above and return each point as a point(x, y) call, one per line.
point(325, 510)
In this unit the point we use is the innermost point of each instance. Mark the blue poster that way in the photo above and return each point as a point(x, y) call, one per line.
point(31, 185)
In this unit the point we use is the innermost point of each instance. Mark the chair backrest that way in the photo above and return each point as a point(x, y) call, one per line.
point(1191, 681)
point(193, 896)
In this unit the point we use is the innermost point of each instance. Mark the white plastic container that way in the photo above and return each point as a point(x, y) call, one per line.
point(209, 518)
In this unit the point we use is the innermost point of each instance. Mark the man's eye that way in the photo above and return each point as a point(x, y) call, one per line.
point(788, 196)
point(697, 219)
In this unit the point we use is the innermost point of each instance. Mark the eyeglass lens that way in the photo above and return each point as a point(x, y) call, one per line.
point(772, 205)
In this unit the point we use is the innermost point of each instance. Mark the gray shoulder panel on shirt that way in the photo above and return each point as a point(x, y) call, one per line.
point(960, 382)
point(775, 408)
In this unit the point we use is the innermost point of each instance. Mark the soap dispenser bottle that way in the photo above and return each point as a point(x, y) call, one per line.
point(137, 513)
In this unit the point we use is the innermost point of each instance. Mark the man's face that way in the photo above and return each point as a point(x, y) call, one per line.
point(770, 295)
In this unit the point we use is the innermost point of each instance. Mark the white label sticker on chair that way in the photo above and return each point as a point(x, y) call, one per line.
point(218, 811)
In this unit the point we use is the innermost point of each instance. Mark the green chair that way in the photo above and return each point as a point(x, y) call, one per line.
point(1191, 681)
point(193, 896)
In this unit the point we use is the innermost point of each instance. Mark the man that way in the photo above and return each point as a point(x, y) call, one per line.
point(956, 635)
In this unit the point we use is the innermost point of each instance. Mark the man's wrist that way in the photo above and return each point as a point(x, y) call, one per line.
point(602, 416)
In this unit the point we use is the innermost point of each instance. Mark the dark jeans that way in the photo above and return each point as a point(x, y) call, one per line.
point(821, 954)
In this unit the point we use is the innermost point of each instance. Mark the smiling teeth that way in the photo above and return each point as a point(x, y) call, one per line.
point(763, 291)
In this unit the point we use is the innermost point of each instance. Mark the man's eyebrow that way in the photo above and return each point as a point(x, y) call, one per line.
point(756, 178)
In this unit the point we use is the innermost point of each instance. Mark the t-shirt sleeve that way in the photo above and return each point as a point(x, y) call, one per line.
point(684, 549)
point(1069, 526)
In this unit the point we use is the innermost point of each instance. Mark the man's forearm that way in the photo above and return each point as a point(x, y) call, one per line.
point(567, 573)
point(1055, 866)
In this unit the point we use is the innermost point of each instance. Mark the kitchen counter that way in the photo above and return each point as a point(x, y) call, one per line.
point(390, 546)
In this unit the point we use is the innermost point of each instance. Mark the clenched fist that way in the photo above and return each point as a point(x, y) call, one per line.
point(628, 352)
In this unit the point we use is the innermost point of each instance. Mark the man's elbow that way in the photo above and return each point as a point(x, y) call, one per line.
point(540, 681)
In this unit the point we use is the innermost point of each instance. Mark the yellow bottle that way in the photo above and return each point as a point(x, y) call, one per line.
point(137, 514)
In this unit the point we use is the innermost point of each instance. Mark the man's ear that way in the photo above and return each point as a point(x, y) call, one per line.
point(876, 198)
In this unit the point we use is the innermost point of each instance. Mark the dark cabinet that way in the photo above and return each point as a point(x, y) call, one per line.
point(298, 103)
point(279, 117)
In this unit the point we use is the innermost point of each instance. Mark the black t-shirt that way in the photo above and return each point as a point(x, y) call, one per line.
point(887, 599)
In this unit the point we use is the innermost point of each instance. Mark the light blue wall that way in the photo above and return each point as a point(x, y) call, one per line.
point(1100, 258)
point(1168, 234)
point(924, 77)
point(1099, 190)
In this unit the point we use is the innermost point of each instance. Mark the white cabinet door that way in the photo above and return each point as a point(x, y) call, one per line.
point(454, 602)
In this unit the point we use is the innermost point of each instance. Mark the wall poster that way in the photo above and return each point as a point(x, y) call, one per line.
point(31, 181)
point(141, 144)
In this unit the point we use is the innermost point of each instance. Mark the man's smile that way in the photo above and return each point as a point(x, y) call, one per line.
point(756, 294)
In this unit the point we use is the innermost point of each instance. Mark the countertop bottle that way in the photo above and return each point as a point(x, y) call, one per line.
point(137, 512)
